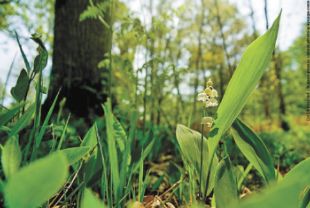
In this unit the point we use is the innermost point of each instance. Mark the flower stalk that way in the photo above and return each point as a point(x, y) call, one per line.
point(208, 98)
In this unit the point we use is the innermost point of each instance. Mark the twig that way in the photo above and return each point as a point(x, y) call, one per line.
point(68, 187)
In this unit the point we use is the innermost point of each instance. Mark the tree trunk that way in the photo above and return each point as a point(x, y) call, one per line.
point(264, 79)
point(278, 70)
point(282, 108)
point(198, 59)
point(78, 48)
point(224, 44)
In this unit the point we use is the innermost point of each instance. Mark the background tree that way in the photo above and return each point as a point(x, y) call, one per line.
point(78, 48)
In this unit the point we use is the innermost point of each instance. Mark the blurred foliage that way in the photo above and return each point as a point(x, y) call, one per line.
point(158, 59)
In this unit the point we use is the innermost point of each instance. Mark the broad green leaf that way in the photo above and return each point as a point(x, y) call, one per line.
point(11, 157)
point(190, 145)
point(74, 154)
point(22, 121)
point(20, 89)
point(36, 183)
point(89, 200)
point(23, 54)
point(287, 193)
point(254, 149)
point(244, 80)
point(225, 188)
point(112, 150)
point(7, 115)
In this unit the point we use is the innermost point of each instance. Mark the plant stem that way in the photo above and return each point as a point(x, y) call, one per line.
point(201, 156)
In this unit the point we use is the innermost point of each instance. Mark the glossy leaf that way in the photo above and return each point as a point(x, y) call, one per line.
point(254, 149)
point(36, 183)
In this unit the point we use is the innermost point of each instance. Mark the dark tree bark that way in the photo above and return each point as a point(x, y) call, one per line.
point(78, 48)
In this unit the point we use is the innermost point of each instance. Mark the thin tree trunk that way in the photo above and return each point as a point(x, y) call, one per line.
point(198, 58)
point(219, 22)
point(282, 108)
point(264, 80)
point(277, 59)
point(252, 20)
point(152, 66)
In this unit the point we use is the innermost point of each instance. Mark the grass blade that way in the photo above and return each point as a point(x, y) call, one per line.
point(23, 53)
point(112, 150)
